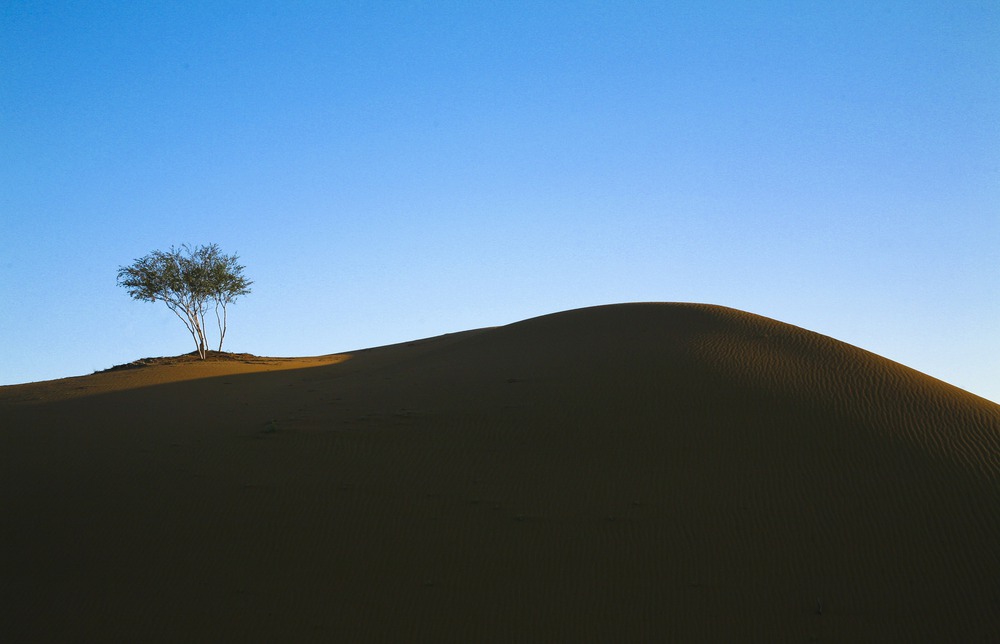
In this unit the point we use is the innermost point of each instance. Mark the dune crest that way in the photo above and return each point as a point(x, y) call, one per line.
point(730, 353)
point(675, 472)
point(148, 372)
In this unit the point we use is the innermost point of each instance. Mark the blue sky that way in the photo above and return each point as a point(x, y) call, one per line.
point(395, 170)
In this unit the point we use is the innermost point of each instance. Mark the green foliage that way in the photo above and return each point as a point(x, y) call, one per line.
point(188, 280)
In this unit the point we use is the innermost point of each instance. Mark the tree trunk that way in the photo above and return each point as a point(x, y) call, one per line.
point(198, 325)
point(222, 325)
point(204, 337)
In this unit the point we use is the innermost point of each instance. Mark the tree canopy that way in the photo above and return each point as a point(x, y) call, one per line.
point(189, 281)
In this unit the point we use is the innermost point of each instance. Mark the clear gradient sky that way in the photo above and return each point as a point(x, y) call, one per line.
point(394, 170)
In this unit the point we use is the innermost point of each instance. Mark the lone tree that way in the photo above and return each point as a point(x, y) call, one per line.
point(188, 280)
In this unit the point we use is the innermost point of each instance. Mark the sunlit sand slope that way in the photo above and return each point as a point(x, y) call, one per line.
point(646, 472)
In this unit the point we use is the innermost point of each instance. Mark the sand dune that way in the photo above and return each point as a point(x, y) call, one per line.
point(642, 472)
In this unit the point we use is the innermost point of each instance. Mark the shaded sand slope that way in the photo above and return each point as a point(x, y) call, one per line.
point(647, 471)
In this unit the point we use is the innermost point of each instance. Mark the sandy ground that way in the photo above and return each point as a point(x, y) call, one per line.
point(644, 472)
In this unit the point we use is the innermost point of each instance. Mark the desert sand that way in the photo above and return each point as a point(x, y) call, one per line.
point(640, 472)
